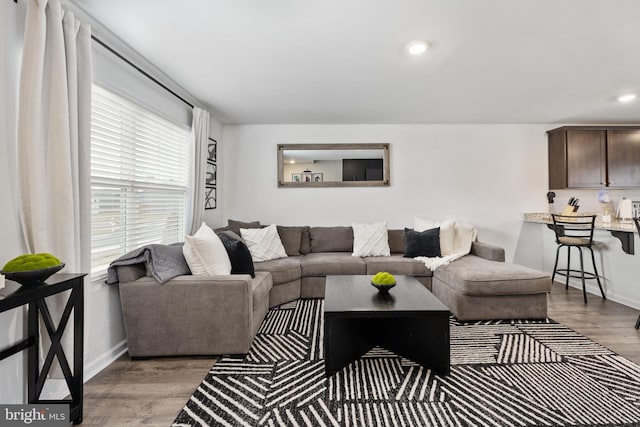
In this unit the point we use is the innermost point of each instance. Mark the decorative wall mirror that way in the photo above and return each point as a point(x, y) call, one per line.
point(333, 165)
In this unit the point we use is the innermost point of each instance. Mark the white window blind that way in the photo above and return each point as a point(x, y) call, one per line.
point(139, 178)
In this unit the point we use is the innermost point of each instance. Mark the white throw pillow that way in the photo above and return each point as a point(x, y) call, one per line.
point(447, 232)
point(466, 234)
point(205, 254)
point(370, 239)
point(263, 243)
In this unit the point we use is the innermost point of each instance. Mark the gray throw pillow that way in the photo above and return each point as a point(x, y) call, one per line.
point(235, 226)
point(291, 238)
point(396, 241)
point(331, 239)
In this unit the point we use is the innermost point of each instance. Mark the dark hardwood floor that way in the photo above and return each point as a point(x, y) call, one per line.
point(152, 392)
point(606, 322)
point(142, 392)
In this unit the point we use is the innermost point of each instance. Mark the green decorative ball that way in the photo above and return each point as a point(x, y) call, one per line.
point(383, 279)
point(30, 262)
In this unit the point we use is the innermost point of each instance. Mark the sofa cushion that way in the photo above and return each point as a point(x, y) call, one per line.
point(396, 264)
point(472, 275)
point(282, 270)
point(422, 243)
point(291, 238)
point(327, 263)
point(261, 286)
point(396, 241)
point(331, 239)
point(370, 239)
point(235, 226)
point(241, 261)
point(305, 244)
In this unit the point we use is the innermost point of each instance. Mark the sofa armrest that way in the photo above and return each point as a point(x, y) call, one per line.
point(188, 315)
point(487, 251)
point(129, 273)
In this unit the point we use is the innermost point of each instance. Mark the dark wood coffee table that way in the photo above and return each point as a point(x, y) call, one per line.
point(409, 321)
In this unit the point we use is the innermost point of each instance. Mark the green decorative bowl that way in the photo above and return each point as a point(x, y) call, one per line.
point(383, 289)
point(32, 277)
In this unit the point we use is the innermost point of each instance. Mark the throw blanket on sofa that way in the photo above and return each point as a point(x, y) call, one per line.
point(164, 262)
point(465, 234)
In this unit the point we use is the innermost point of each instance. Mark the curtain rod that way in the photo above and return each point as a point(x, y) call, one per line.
point(140, 70)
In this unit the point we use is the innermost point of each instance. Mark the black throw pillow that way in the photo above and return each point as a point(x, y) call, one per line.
point(241, 261)
point(422, 243)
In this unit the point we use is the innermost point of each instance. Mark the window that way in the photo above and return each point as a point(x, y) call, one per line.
point(139, 179)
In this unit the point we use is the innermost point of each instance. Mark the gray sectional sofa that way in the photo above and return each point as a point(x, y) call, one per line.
point(197, 315)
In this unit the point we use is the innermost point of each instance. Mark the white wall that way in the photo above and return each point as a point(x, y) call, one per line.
point(487, 175)
point(12, 323)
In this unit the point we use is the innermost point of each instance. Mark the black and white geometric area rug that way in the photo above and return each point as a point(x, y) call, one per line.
point(503, 373)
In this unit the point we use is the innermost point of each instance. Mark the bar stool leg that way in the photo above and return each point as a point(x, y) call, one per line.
point(595, 271)
point(584, 285)
point(638, 323)
point(566, 285)
point(555, 266)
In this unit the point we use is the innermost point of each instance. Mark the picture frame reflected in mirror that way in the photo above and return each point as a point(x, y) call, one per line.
point(333, 165)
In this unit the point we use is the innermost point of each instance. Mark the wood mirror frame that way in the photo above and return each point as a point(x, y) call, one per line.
point(384, 182)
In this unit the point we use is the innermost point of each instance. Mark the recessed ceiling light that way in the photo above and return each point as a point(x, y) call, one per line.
point(627, 98)
point(417, 47)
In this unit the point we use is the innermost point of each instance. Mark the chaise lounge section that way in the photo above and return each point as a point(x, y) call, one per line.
point(476, 288)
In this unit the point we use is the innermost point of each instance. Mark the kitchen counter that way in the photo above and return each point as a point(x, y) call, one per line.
point(621, 230)
point(614, 225)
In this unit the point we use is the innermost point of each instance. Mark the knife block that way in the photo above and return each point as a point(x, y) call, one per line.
point(568, 211)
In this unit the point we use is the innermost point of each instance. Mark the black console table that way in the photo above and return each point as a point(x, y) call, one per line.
point(13, 296)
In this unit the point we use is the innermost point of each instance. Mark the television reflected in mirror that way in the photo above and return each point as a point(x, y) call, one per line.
point(333, 165)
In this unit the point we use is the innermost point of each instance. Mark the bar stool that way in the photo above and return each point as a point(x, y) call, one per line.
point(575, 231)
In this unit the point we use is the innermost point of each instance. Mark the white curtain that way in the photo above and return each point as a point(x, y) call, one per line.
point(200, 140)
point(54, 119)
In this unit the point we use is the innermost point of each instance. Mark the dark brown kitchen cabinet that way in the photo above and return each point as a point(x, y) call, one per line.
point(557, 159)
point(586, 159)
point(594, 157)
point(623, 152)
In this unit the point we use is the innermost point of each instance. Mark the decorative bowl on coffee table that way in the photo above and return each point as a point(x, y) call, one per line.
point(383, 289)
point(383, 281)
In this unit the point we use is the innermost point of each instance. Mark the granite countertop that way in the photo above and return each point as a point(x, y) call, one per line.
point(614, 225)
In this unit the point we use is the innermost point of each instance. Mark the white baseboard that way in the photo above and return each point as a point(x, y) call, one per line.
point(56, 388)
point(592, 288)
point(93, 367)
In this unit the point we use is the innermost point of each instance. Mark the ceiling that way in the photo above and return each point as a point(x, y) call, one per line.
point(343, 61)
